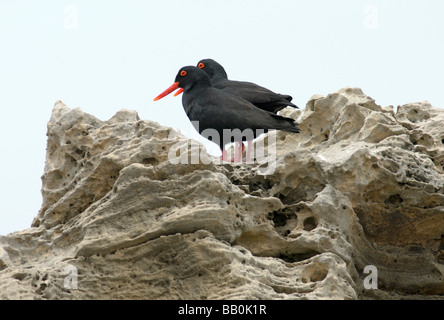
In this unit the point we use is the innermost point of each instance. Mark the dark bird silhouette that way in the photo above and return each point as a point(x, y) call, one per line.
point(261, 97)
point(216, 113)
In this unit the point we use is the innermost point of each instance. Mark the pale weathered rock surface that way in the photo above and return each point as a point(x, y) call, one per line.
point(361, 185)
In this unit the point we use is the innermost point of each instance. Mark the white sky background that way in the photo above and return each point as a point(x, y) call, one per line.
point(103, 56)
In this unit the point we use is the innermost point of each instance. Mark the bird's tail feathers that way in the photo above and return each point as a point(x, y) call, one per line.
point(289, 98)
point(290, 124)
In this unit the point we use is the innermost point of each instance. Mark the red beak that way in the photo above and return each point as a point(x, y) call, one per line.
point(178, 92)
point(173, 87)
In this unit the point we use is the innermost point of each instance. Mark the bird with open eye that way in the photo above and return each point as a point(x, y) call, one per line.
point(261, 97)
point(212, 110)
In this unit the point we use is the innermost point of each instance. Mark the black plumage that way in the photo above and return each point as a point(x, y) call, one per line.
point(261, 97)
point(211, 108)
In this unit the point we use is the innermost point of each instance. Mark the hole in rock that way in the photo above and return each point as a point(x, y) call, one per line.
point(259, 184)
point(394, 200)
point(310, 223)
point(280, 219)
point(150, 161)
point(314, 273)
point(307, 191)
point(80, 152)
point(20, 276)
point(296, 257)
point(284, 221)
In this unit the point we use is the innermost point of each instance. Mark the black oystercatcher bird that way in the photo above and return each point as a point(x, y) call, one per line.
point(261, 97)
point(212, 111)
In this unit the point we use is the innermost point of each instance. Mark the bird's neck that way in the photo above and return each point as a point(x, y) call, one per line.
point(198, 86)
point(216, 78)
point(194, 92)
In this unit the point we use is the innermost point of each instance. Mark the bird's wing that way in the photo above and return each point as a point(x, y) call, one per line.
point(251, 92)
point(228, 111)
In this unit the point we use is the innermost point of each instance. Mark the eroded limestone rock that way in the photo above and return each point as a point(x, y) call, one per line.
point(360, 185)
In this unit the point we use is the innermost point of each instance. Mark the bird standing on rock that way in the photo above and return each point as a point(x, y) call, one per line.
point(261, 97)
point(214, 111)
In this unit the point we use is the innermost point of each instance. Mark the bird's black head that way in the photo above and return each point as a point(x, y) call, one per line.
point(187, 78)
point(212, 68)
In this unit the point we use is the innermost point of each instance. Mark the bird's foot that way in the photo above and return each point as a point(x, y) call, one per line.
point(225, 157)
point(238, 152)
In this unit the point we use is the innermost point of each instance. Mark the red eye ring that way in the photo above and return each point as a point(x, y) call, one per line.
point(183, 73)
point(201, 65)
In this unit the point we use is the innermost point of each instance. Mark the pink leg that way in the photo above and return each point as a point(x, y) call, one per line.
point(225, 156)
point(238, 150)
point(248, 155)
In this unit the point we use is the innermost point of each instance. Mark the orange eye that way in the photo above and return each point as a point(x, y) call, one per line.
point(183, 73)
point(201, 65)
